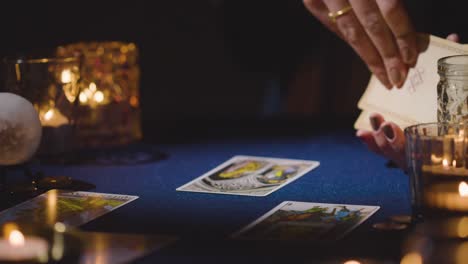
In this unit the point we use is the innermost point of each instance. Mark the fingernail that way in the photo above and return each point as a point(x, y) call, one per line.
point(388, 132)
point(407, 55)
point(395, 76)
point(374, 121)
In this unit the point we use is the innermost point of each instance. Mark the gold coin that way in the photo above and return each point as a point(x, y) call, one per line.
point(402, 219)
point(389, 226)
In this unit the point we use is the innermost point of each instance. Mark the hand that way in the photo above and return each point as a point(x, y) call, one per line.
point(380, 32)
point(387, 139)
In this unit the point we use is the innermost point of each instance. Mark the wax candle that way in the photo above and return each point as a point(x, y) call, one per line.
point(17, 248)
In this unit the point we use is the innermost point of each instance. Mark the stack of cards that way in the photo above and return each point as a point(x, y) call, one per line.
point(416, 101)
point(260, 176)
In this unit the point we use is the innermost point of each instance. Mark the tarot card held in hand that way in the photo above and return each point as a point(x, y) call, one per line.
point(307, 221)
point(248, 175)
point(70, 208)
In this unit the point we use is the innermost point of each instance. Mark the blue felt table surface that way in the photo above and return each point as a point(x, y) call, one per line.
point(348, 173)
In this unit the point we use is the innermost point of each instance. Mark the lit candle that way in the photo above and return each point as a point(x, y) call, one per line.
point(17, 247)
point(450, 196)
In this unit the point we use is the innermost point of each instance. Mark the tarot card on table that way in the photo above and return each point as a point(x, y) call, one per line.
point(70, 208)
point(248, 175)
point(307, 221)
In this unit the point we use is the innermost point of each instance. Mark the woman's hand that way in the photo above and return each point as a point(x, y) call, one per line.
point(380, 31)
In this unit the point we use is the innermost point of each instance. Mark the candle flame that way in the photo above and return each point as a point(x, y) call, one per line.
point(99, 97)
point(445, 163)
point(49, 114)
point(66, 76)
point(16, 238)
point(463, 189)
point(92, 87)
point(83, 98)
point(454, 163)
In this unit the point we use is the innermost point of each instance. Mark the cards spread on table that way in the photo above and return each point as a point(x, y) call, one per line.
point(70, 208)
point(249, 175)
point(300, 221)
point(416, 101)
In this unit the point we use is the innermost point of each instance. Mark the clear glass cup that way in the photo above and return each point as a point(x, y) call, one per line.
point(51, 85)
point(437, 161)
point(452, 89)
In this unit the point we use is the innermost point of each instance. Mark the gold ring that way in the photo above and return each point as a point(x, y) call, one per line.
point(344, 10)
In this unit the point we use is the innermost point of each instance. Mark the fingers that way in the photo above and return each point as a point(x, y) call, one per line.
point(386, 139)
point(379, 32)
point(453, 37)
point(399, 23)
point(352, 32)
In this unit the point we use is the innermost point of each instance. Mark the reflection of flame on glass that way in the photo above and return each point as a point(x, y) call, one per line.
point(412, 258)
point(462, 227)
point(435, 159)
point(16, 238)
point(463, 189)
point(49, 114)
point(66, 76)
point(51, 206)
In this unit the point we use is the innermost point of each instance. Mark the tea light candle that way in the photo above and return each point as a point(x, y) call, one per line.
point(20, 248)
point(451, 196)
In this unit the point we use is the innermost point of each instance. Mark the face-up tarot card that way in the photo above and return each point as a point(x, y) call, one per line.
point(307, 221)
point(70, 208)
point(248, 175)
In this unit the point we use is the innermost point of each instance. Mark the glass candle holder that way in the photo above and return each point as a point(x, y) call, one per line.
point(438, 168)
point(51, 85)
point(108, 102)
point(452, 89)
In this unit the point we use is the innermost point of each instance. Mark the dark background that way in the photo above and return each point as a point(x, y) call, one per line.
point(209, 63)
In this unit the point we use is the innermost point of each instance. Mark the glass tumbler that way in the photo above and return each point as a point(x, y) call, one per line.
point(436, 155)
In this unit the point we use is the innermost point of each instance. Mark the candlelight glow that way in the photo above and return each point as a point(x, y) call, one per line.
point(412, 258)
point(92, 87)
point(83, 98)
point(99, 97)
point(462, 227)
point(66, 76)
point(454, 163)
point(463, 189)
point(16, 238)
point(435, 159)
point(352, 262)
point(49, 114)
point(445, 163)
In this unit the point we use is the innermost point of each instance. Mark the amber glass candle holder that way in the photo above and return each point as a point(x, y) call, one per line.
point(108, 112)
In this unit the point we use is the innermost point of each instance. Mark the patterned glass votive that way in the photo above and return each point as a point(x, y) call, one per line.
point(51, 85)
point(108, 111)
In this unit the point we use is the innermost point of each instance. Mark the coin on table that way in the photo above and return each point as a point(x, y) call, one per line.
point(389, 226)
point(402, 219)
